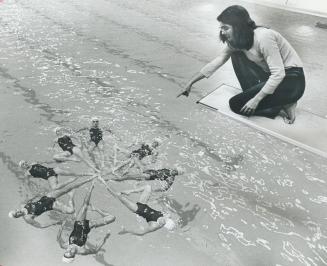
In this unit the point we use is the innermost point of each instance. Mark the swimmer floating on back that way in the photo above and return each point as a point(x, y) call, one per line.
point(37, 170)
point(155, 219)
point(49, 202)
point(82, 227)
point(160, 180)
point(71, 152)
point(96, 141)
point(135, 157)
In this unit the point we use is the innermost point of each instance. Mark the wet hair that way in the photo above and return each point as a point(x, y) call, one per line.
point(243, 26)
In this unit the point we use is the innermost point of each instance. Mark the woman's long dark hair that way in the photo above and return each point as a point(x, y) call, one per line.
point(243, 26)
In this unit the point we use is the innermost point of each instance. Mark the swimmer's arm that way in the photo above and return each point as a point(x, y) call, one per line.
point(89, 251)
point(28, 219)
point(99, 211)
point(82, 129)
point(60, 240)
point(141, 231)
point(63, 184)
point(132, 177)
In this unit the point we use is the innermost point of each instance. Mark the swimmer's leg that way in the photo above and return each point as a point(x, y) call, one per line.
point(90, 149)
point(64, 157)
point(130, 176)
point(67, 209)
point(81, 215)
point(146, 193)
point(101, 152)
point(79, 154)
point(62, 172)
point(127, 202)
point(129, 166)
point(69, 187)
point(53, 182)
point(128, 162)
point(106, 218)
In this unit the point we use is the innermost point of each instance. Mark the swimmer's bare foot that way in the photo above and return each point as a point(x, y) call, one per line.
point(289, 109)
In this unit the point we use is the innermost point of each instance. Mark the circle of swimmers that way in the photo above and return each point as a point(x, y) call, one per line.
point(90, 151)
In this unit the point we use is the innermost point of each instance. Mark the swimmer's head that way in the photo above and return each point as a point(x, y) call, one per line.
point(69, 255)
point(156, 142)
point(95, 121)
point(17, 213)
point(23, 164)
point(59, 131)
point(174, 172)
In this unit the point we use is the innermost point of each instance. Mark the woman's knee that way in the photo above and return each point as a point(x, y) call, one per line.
point(234, 104)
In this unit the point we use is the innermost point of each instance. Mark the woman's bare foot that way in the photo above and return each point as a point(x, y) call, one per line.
point(290, 113)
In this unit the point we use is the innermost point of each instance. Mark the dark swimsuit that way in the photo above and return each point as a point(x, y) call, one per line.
point(95, 135)
point(40, 171)
point(162, 175)
point(66, 144)
point(42, 205)
point(149, 214)
point(142, 152)
point(79, 234)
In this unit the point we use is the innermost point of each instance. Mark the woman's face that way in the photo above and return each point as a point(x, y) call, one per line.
point(226, 32)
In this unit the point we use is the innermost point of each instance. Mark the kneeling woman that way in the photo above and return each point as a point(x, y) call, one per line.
point(82, 227)
point(268, 68)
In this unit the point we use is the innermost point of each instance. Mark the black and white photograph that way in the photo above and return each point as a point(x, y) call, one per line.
point(163, 133)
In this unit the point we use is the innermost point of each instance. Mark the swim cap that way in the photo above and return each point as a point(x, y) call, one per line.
point(94, 118)
point(170, 224)
point(21, 163)
point(57, 129)
point(11, 214)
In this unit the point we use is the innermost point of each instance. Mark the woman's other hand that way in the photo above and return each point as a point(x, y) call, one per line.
point(250, 107)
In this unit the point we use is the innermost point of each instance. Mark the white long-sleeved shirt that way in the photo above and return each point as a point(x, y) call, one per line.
point(270, 50)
